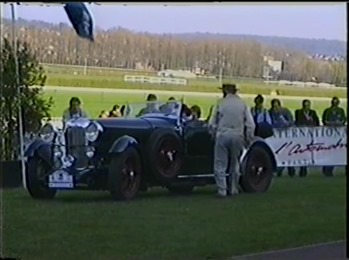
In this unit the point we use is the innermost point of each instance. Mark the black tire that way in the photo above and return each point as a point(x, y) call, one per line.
point(165, 152)
point(252, 180)
point(121, 183)
point(180, 189)
point(37, 187)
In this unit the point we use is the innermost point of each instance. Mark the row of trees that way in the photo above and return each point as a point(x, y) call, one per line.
point(58, 44)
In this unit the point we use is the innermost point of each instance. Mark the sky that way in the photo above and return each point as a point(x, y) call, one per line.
point(319, 21)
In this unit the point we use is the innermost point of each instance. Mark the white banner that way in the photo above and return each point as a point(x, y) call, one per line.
point(310, 146)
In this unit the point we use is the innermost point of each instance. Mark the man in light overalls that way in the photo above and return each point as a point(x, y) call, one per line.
point(233, 128)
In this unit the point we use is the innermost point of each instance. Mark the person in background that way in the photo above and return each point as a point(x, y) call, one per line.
point(151, 106)
point(306, 117)
point(232, 127)
point(333, 116)
point(74, 110)
point(103, 114)
point(115, 112)
point(259, 113)
point(195, 117)
point(186, 113)
point(169, 106)
point(261, 118)
point(196, 112)
point(122, 110)
point(281, 117)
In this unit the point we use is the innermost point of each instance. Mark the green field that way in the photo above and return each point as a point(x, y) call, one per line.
point(88, 225)
point(95, 102)
point(113, 78)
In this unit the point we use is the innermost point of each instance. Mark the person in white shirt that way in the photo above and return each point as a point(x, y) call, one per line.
point(233, 128)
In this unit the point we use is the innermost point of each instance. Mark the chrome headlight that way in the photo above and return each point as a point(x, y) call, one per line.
point(92, 131)
point(47, 133)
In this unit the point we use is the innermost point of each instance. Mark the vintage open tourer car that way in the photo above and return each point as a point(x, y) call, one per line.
point(149, 146)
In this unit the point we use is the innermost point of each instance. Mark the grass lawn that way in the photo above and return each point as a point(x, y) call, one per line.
point(87, 225)
point(95, 102)
point(112, 78)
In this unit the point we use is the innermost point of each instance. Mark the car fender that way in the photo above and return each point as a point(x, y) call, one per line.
point(34, 146)
point(122, 143)
point(40, 148)
point(258, 142)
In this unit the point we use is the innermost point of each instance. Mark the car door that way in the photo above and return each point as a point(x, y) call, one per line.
point(199, 149)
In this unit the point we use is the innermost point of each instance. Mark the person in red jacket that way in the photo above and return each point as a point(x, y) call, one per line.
point(306, 117)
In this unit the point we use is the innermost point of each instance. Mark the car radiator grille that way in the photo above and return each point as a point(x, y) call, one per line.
point(76, 146)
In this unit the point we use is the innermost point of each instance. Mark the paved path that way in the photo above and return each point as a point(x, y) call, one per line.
point(169, 92)
point(324, 251)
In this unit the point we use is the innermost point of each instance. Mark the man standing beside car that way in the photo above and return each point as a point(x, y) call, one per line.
point(233, 127)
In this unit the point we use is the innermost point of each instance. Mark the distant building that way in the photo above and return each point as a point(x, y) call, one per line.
point(272, 68)
point(276, 65)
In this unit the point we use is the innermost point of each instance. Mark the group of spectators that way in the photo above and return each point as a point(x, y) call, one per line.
point(116, 111)
point(191, 113)
point(278, 116)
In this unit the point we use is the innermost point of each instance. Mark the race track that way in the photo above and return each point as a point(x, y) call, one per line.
point(169, 92)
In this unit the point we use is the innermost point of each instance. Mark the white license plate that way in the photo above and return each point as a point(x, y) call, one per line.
point(61, 179)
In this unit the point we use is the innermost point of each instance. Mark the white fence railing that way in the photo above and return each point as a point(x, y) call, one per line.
point(300, 84)
point(155, 80)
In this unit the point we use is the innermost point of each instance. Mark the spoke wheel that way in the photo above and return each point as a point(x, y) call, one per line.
point(165, 155)
point(37, 177)
point(125, 174)
point(258, 171)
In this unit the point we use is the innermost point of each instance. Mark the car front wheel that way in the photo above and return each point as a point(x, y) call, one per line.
point(36, 177)
point(125, 174)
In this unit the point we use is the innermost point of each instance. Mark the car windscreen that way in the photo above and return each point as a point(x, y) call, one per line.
point(157, 108)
